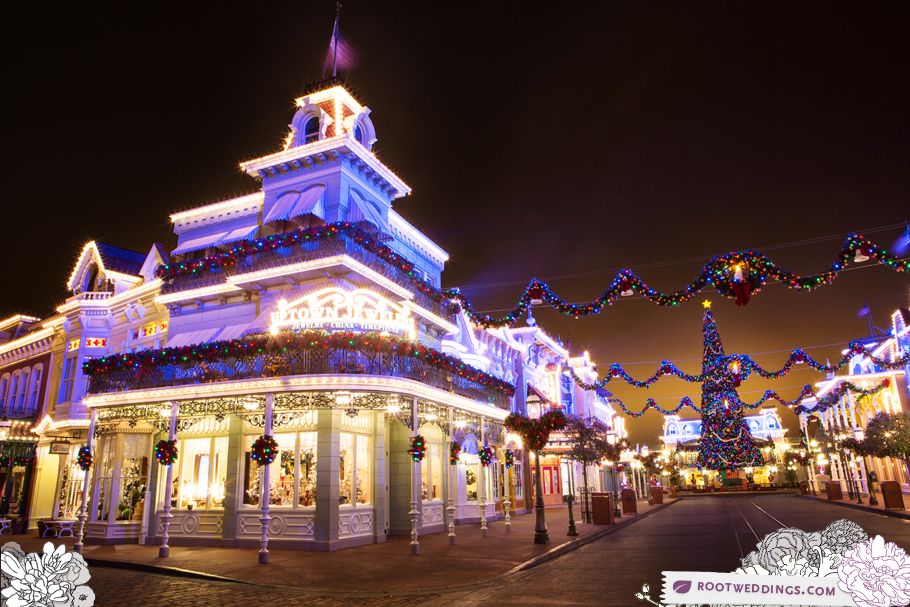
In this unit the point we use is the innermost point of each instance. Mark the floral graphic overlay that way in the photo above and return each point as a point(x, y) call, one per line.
point(876, 574)
point(55, 577)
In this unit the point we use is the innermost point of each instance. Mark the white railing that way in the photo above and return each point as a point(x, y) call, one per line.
point(90, 296)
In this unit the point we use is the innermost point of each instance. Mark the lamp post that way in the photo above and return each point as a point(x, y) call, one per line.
point(570, 468)
point(533, 406)
point(646, 472)
point(611, 438)
point(873, 501)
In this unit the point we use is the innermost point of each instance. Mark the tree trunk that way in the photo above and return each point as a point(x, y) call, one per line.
point(587, 507)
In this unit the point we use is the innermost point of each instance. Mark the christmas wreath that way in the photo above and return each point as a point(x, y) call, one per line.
point(418, 448)
point(510, 458)
point(84, 458)
point(454, 452)
point(264, 450)
point(470, 476)
point(486, 456)
point(19, 461)
point(536, 433)
point(166, 452)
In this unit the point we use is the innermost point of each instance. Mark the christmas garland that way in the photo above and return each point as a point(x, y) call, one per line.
point(793, 456)
point(19, 461)
point(536, 433)
point(84, 459)
point(741, 367)
point(851, 443)
point(510, 458)
point(145, 361)
point(454, 453)
point(264, 450)
point(486, 456)
point(166, 452)
point(736, 275)
point(418, 448)
point(623, 467)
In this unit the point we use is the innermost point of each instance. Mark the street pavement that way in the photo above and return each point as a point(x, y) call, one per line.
point(701, 534)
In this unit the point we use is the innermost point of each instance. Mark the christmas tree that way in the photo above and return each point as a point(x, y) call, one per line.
point(726, 442)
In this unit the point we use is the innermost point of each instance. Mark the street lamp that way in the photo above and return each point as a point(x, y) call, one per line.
point(873, 501)
point(533, 407)
point(611, 438)
point(570, 468)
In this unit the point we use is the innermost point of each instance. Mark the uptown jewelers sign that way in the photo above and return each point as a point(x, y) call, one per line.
point(335, 309)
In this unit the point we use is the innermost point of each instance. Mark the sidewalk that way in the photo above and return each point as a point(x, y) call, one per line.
point(848, 503)
point(384, 567)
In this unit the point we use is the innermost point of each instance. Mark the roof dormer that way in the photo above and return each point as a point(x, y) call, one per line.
point(330, 113)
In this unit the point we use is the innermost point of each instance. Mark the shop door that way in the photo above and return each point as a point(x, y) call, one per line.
point(552, 485)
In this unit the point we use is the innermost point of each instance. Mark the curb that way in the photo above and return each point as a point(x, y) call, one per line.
point(894, 513)
point(534, 562)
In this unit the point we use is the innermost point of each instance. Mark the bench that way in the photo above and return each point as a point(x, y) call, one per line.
point(59, 529)
point(6, 526)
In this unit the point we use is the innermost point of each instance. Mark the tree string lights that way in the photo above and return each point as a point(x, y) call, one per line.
point(736, 275)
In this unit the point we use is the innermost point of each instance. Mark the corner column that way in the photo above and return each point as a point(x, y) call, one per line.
point(165, 550)
point(482, 501)
point(93, 419)
point(265, 487)
point(415, 485)
point(451, 479)
point(328, 478)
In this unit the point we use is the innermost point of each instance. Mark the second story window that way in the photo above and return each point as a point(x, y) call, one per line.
point(69, 373)
point(23, 391)
point(3, 385)
point(311, 131)
point(36, 389)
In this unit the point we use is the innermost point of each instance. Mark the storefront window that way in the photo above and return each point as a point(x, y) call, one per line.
point(471, 477)
point(194, 473)
point(346, 468)
point(71, 481)
point(436, 468)
point(307, 478)
point(518, 479)
point(133, 476)
point(364, 478)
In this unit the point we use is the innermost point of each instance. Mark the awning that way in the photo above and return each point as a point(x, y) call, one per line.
point(199, 243)
point(295, 204)
point(239, 234)
point(232, 332)
point(191, 338)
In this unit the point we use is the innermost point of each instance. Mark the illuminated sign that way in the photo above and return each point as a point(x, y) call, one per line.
point(96, 342)
point(72, 346)
point(162, 326)
point(149, 330)
point(335, 309)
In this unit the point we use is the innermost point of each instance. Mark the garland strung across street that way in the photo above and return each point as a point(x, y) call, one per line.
point(736, 275)
point(305, 340)
point(536, 433)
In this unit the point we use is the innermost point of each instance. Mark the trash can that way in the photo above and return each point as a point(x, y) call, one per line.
point(657, 495)
point(602, 507)
point(629, 502)
point(672, 491)
point(891, 492)
point(834, 491)
point(804, 487)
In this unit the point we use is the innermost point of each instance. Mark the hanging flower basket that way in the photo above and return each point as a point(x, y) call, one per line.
point(418, 448)
point(264, 450)
point(486, 456)
point(166, 452)
point(454, 452)
point(84, 458)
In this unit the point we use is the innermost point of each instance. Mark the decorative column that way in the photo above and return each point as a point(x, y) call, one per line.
point(415, 480)
point(265, 486)
point(82, 515)
point(540, 526)
point(506, 504)
point(451, 475)
point(482, 497)
point(164, 549)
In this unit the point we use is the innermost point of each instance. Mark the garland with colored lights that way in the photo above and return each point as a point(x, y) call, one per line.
point(84, 459)
point(623, 467)
point(166, 452)
point(793, 456)
point(418, 448)
point(371, 342)
point(486, 456)
point(19, 461)
point(736, 275)
point(741, 367)
point(510, 458)
point(264, 450)
point(454, 453)
point(536, 433)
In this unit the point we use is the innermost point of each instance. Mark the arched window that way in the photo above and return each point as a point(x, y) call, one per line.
point(13, 389)
point(311, 131)
point(36, 388)
point(91, 278)
point(23, 391)
point(358, 134)
point(4, 384)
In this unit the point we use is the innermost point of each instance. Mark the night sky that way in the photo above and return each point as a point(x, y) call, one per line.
point(551, 140)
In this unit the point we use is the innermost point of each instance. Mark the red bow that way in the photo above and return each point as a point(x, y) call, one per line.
point(742, 289)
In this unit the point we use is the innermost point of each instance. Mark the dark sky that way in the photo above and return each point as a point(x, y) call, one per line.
point(540, 139)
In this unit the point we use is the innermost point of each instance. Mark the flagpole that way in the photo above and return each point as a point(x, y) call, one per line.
point(335, 50)
point(869, 318)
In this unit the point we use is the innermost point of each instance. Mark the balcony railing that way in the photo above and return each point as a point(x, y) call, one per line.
point(308, 250)
point(90, 296)
point(331, 361)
